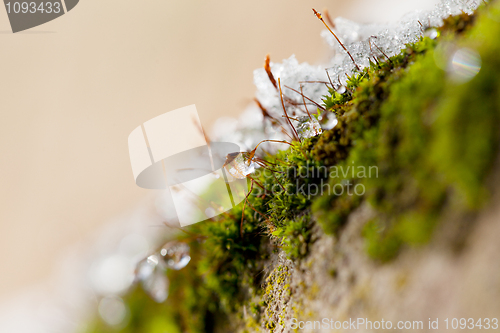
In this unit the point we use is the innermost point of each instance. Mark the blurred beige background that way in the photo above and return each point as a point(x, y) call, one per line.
point(73, 89)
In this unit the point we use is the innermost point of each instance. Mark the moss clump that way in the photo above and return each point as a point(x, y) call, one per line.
point(295, 236)
point(410, 141)
point(433, 140)
point(354, 144)
point(457, 24)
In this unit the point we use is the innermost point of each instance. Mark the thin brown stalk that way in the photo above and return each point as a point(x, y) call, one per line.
point(286, 114)
point(421, 26)
point(329, 78)
point(298, 92)
point(267, 67)
point(318, 15)
point(313, 82)
point(385, 55)
point(284, 131)
point(328, 18)
point(304, 100)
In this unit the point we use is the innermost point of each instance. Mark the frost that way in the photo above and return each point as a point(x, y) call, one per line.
point(360, 39)
point(294, 75)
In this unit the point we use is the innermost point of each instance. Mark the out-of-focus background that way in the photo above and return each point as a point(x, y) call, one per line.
point(73, 89)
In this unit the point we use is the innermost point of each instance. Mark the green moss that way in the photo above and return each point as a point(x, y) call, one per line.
point(426, 145)
point(354, 143)
point(457, 24)
point(294, 236)
point(434, 141)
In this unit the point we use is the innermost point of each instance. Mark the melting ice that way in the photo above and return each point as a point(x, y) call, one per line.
point(308, 127)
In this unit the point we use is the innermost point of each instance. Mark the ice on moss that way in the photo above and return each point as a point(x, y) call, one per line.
point(364, 41)
point(350, 32)
point(308, 127)
point(294, 75)
point(360, 39)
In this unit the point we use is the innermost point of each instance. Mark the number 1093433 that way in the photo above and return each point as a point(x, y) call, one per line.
point(47, 7)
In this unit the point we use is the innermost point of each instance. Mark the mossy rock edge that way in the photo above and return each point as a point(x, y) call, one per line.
point(433, 143)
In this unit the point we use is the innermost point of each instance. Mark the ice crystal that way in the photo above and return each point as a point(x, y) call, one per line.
point(432, 33)
point(308, 127)
point(294, 75)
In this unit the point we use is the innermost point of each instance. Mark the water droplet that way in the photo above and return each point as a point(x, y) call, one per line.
point(329, 122)
point(308, 127)
point(210, 212)
point(113, 311)
point(340, 89)
point(239, 166)
point(175, 255)
point(157, 285)
point(144, 270)
point(464, 64)
point(153, 260)
point(431, 33)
